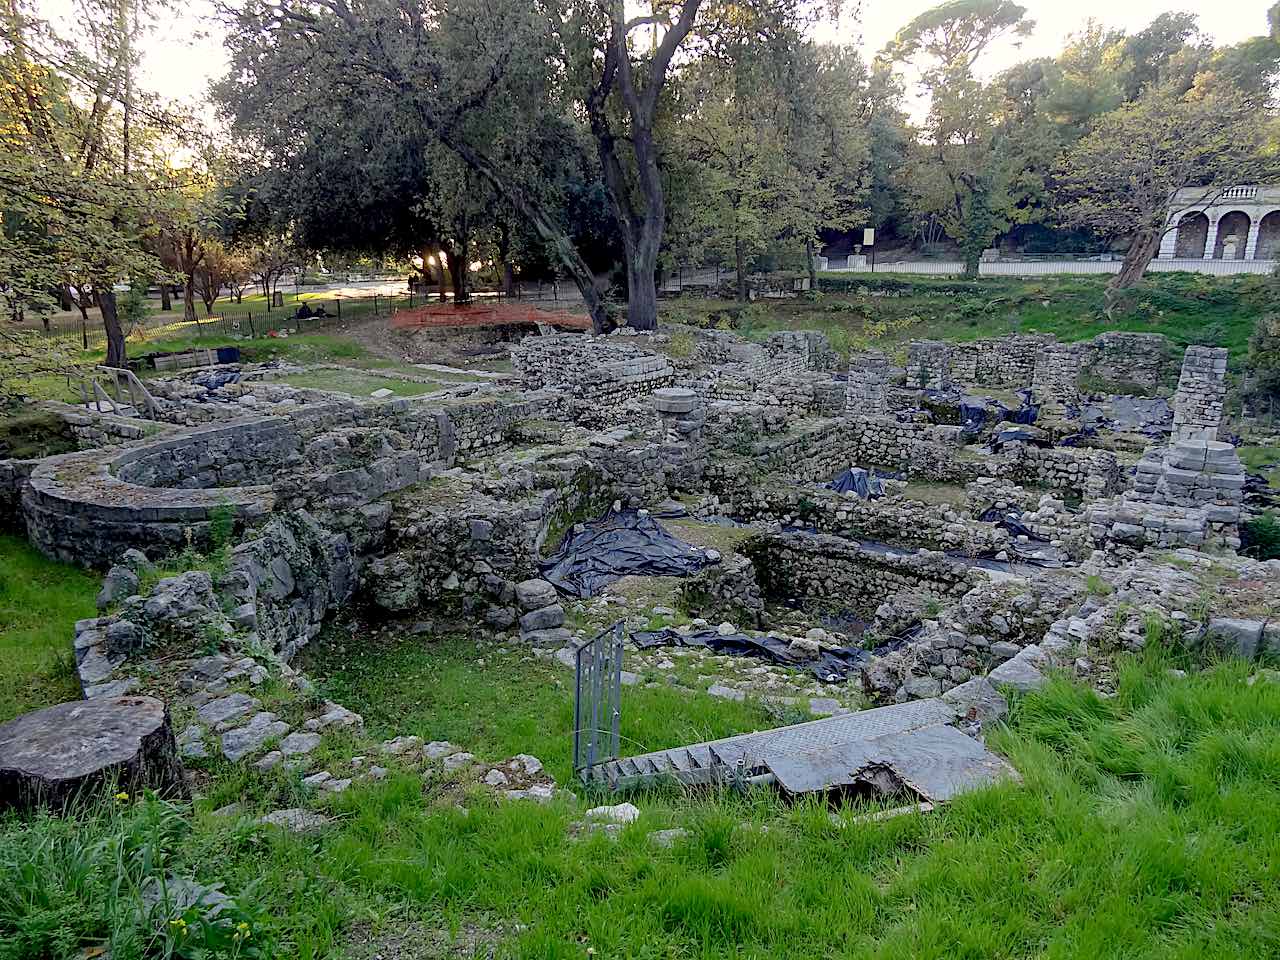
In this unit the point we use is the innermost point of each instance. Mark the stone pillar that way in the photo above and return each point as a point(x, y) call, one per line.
point(1056, 380)
point(1202, 388)
point(866, 393)
point(1211, 235)
point(681, 417)
point(1169, 242)
point(1251, 241)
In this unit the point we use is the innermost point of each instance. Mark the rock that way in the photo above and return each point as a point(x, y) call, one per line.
point(335, 715)
point(1004, 650)
point(120, 582)
point(725, 693)
point(619, 813)
point(401, 745)
point(50, 757)
point(825, 707)
point(112, 688)
point(524, 763)
point(227, 708)
point(668, 838)
point(726, 629)
point(556, 637)
point(546, 618)
point(496, 778)
point(1021, 672)
point(437, 749)
point(1237, 638)
point(535, 594)
point(539, 792)
point(458, 761)
point(382, 393)
point(977, 699)
point(242, 741)
point(299, 743)
point(269, 762)
point(921, 688)
point(295, 819)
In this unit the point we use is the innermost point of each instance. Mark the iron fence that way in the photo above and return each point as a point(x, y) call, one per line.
point(597, 696)
point(1041, 268)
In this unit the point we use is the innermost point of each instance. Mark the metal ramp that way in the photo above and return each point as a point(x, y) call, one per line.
point(913, 744)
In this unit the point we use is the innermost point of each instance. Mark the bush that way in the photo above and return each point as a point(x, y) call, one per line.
point(1260, 537)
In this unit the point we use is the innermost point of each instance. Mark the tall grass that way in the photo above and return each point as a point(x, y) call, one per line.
point(40, 601)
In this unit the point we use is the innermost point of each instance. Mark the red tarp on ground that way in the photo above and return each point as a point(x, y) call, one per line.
point(485, 315)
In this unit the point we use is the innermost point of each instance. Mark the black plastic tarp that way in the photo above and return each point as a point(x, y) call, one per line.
point(1011, 520)
point(858, 481)
point(619, 543)
point(830, 666)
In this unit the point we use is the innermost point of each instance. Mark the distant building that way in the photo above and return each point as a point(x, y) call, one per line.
point(1239, 223)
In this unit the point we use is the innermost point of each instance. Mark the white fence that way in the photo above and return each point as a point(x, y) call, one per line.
point(1041, 268)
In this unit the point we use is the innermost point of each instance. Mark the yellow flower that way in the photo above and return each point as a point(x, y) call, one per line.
point(122, 796)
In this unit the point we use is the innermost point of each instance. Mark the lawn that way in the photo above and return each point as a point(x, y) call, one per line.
point(40, 601)
point(358, 384)
point(1147, 825)
point(858, 311)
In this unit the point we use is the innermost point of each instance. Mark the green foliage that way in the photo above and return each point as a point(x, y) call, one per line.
point(27, 434)
point(40, 601)
point(101, 876)
point(1260, 537)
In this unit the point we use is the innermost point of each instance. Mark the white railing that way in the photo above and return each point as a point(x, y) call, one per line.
point(1239, 193)
point(1041, 268)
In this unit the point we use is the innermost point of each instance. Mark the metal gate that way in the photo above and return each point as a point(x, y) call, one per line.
point(597, 693)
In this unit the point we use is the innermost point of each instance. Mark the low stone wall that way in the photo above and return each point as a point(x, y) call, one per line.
point(1129, 358)
point(889, 519)
point(235, 455)
point(604, 369)
point(799, 568)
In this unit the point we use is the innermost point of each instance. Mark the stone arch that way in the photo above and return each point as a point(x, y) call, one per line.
point(1193, 234)
point(1268, 247)
point(1232, 237)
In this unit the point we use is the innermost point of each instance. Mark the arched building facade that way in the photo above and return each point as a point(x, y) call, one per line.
point(1240, 223)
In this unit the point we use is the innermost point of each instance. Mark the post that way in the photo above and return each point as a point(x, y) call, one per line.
point(338, 301)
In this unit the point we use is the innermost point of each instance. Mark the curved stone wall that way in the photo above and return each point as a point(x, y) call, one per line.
point(233, 455)
point(86, 508)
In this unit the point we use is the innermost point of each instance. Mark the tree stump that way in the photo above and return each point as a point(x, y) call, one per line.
point(58, 755)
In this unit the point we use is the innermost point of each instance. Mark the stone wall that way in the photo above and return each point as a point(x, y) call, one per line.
point(1129, 358)
point(801, 568)
point(1188, 495)
point(890, 519)
point(1020, 361)
point(602, 369)
point(1202, 389)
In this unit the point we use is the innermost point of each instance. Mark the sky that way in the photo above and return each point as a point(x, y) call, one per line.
point(181, 57)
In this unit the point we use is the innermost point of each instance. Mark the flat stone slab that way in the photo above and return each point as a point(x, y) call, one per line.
point(914, 742)
point(52, 756)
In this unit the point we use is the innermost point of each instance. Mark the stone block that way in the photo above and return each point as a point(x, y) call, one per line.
point(535, 594)
point(1238, 638)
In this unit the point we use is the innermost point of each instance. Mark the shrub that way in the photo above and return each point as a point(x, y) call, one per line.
point(1260, 537)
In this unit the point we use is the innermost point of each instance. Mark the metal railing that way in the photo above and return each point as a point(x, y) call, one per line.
point(1041, 268)
point(597, 699)
point(93, 395)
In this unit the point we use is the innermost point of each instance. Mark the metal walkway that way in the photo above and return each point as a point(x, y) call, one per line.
point(911, 744)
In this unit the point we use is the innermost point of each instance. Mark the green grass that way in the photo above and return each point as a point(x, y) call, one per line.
point(40, 601)
point(357, 384)
point(500, 704)
point(861, 311)
point(1147, 825)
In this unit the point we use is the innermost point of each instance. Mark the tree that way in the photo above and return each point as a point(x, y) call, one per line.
point(269, 260)
point(74, 206)
point(1123, 178)
point(964, 182)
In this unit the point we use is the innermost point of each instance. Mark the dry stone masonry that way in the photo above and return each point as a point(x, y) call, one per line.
point(985, 557)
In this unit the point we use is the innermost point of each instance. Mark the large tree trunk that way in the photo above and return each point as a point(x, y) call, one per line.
point(811, 263)
point(166, 298)
point(1146, 244)
point(444, 279)
point(189, 297)
point(111, 324)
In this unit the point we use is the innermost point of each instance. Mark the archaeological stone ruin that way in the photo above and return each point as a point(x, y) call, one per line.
point(1010, 508)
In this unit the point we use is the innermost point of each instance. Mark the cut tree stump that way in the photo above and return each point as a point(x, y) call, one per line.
point(55, 756)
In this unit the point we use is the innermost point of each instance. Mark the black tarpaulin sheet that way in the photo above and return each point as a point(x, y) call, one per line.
point(858, 481)
point(830, 666)
point(1011, 520)
point(620, 543)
